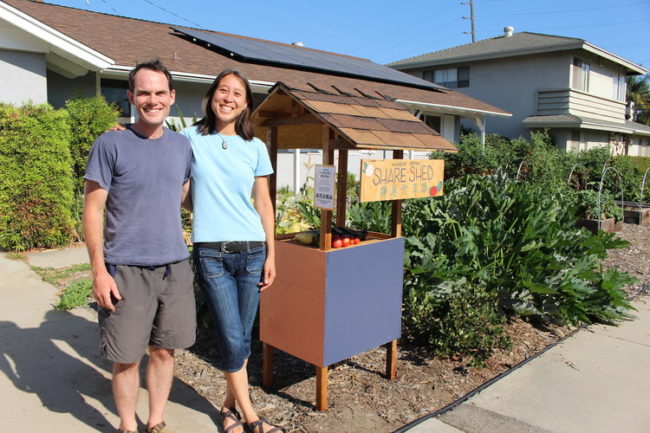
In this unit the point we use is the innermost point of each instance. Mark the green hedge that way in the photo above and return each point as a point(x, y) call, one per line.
point(36, 186)
point(88, 119)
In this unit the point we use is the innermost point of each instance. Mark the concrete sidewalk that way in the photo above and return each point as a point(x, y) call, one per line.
point(53, 379)
point(597, 381)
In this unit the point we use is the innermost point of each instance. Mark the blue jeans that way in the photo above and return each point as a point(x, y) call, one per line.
point(230, 282)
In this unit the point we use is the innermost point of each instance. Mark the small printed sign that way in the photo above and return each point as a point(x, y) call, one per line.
point(399, 179)
point(324, 177)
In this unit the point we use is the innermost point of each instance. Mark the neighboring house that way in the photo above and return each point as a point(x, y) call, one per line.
point(573, 88)
point(51, 53)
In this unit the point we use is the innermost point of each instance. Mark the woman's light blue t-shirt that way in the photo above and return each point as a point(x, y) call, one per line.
point(222, 184)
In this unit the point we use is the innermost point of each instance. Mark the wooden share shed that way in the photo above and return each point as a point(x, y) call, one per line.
point(327, 304)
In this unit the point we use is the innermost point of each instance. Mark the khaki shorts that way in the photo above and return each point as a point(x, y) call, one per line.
point(157, 309)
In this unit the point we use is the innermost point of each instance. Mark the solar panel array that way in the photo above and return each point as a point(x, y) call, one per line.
point(254, 51)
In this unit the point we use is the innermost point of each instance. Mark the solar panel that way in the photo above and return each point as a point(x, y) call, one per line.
point(253, 51)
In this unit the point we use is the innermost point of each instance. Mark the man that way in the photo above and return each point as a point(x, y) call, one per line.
point(141, 276)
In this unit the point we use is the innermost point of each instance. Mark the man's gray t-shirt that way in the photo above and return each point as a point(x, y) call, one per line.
point(144, 179)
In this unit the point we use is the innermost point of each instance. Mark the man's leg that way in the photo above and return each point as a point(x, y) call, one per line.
point(160, 374)
point(126, 383)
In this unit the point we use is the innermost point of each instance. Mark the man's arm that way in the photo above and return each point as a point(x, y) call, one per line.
point(186, 196)
point(103, 284)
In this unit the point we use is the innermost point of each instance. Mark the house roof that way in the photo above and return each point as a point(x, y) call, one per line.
point(581, 122)
point(517, 44)
point(127, 41)
point(360, 122)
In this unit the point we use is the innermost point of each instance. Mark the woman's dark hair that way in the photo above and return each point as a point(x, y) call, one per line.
point(243, 125)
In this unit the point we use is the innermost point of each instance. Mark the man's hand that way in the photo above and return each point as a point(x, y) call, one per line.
point(105, 290)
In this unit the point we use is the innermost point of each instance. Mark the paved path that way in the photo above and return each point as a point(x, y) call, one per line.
point(52, 378)
point(597, 381)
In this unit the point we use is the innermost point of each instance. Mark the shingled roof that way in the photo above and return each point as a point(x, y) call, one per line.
point(128, 41)
point(516, 44)
point(360, 122)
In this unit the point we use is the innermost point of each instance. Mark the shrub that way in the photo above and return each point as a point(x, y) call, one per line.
point(88, 119)
point(36, 188)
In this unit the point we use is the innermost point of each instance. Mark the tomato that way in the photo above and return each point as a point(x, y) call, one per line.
point(346, 242)
point(433, 191)
point(356, 241)
point(337, 243)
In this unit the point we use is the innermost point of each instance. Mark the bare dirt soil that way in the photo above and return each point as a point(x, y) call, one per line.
point(361, 399)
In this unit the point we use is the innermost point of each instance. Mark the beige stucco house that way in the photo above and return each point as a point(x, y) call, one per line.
point(572, 87)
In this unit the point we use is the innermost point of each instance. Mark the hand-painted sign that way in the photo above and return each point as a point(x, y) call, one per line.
point(399, 179)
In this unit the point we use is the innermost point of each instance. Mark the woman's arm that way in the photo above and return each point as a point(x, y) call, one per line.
point(264, 207)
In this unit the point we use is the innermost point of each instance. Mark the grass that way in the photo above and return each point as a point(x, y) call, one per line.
point(53, 275)
point(75, 294)
point(15, 256)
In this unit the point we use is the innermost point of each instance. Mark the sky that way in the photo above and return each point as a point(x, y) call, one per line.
point(386, 31)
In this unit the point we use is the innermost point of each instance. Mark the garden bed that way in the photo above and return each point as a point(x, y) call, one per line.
point(361, 399)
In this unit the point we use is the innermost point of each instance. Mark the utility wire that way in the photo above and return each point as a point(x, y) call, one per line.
point(410, 26)
point(563, 11)
point(428, 31)
point(172, 13)
point(599, 25)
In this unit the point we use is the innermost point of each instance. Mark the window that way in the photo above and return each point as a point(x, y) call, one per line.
point(580, 74)
point(115, 92)
point(433, 122)
point(618, 87)
point(451, 77)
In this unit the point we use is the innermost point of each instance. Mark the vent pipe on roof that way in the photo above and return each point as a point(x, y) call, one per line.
point(298, 44)
point(508, 31)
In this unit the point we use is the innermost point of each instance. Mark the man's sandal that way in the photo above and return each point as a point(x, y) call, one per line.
point(158, 428)
point(233, 415)
point(257, 427)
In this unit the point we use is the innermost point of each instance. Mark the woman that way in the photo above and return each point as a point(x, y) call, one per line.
point(233, 238)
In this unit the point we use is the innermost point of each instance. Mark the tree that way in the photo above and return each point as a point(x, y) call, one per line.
point(638, 92)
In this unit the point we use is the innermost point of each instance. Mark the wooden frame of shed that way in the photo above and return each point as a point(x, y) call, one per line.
point(329, 304)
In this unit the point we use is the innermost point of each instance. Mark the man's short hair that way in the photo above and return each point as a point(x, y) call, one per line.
point(153, 65)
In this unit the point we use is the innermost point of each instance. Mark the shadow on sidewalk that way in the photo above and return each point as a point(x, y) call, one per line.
point(59, 362)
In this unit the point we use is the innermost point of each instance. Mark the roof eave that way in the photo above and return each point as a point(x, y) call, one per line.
point(489, 56)
point(630, 66)
point(463, 111)
point(582, 45)
point(122, 72)
point(59, 43)
point(583, 124)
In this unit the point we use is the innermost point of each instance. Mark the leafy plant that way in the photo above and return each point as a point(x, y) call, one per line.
point(36, 185)
point(517, 240)
point(586, 202)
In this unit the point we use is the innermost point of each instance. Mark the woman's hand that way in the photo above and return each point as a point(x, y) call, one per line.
point(117, 127)
point(268, 274)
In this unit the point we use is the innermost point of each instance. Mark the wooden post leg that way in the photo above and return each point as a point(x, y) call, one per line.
point(267, 365)
point(321, 389)
point(391, 360)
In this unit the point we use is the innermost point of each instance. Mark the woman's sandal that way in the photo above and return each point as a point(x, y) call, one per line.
point(253, 426)
point(233, 415)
